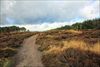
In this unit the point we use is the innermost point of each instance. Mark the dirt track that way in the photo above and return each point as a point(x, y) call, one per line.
point(28, 55)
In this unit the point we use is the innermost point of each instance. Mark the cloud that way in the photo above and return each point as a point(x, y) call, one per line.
point(91, 11)
point(44, 26)
point(32, 12)
point(38, 15)
point(6, 6)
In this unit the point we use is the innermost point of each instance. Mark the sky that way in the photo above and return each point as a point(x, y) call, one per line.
point(41, 15)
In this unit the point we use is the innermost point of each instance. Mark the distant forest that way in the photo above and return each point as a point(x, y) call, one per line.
point(88, 24)
point(12, 29)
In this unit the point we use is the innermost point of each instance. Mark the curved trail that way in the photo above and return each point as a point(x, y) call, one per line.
point(28, 55)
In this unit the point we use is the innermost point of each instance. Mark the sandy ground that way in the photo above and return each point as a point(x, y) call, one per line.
point(28, 55)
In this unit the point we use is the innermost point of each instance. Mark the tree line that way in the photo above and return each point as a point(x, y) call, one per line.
point(12, 29)
point(88, 24)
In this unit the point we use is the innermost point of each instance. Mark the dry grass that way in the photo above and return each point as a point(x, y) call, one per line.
point(54, 49)
point(95, 48)
point(74, 31)
point(79, 44)
point(70, 48)
point(76, 44)
point(9, 45)
point(74, 53)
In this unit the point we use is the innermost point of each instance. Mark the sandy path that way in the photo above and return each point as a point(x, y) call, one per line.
point(28, 55)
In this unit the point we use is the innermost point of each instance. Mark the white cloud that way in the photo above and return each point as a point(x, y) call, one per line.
point(44, 26)
point(43, 15)
point(91, 11)
point(6, 5)
point(35, 10)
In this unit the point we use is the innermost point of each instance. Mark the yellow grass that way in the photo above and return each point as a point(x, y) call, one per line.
point(74, 31)
point(54, 49)
point(8, 48)
point(96, 48)
point(77, 44)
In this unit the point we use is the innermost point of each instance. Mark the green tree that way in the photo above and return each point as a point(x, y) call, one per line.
point(12, 29)
point(77, 26)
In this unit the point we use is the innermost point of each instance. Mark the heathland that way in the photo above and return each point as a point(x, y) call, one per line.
point(76, 45)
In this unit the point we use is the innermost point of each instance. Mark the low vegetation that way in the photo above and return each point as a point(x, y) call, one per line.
point(10, 42)
point(77, 45)
point(70, 48)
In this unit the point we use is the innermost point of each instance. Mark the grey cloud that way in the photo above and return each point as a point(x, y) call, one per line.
point(32, 11)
